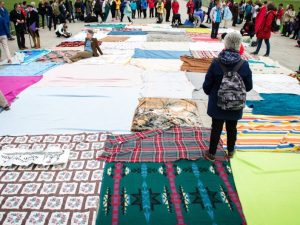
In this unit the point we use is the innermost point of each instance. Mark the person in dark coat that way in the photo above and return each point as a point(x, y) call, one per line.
point(264, 31)
point(18, 19)
point(235, 14)
point(42, 12)
point(168, 7)
point(229, 58)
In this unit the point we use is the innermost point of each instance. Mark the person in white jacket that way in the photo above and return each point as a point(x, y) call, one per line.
point(227, 15)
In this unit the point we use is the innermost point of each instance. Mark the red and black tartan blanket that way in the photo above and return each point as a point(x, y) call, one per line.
point(159, 145)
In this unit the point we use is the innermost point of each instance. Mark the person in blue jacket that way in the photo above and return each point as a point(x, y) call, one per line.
point(144, 6)
point(229, 58)
point(133, 6)
point(3, 38)
point(4, 13)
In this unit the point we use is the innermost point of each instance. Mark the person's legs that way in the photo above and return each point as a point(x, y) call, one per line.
point(168, 15)
point(217, 127)
point(22, 33)
point(267, 41)
point(81, 55)
point(259, 42)
point(231, 134)
point(19, 40)
point(217, 29)
point(3, 41)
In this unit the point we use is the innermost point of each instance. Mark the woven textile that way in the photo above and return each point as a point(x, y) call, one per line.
point(164, 113)
point(214, 54)
point(62, 194)
point(159, 145)
point(183, 192)
point(73, 43)
point(191, 64)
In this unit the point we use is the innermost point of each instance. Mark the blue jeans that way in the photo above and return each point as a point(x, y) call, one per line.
point(259, 43)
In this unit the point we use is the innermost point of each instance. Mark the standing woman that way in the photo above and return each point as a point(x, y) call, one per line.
point(229, 60)
point(242, 11)
point(144, 6)
point(113, 10)
point(190, 9)
point(264, 32)
point(49, 14)
point(42, 11)
point(106, 10)
point(139, 8)
point(33, 24)
point(168, 7)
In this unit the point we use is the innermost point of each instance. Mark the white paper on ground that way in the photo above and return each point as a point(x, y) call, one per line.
point(166, 65)
point(166, 85)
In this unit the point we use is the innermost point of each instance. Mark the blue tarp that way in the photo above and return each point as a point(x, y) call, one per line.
point(34, 54)
point(32, 69)
point(277, 105)
point(158, 54)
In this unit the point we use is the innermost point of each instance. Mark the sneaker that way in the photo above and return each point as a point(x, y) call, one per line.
point(230, 155)
point(209, 157)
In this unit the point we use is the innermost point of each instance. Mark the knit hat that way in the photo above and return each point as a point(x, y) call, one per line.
point(233, 41)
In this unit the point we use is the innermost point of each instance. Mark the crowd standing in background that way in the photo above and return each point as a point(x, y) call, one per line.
point(258, 18)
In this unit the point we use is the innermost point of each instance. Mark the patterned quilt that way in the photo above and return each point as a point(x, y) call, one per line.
point(62, 194)
point(182, 192)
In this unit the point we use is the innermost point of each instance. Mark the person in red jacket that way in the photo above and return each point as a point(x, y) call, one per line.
point(175, 7)
point(264, 31)
point(190, 9)
point(151, 8)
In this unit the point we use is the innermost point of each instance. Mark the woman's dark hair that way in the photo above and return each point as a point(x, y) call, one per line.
point(271, 6)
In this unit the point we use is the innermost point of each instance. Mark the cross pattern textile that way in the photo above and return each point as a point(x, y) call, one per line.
point(268, 187)
point(32, 69)
point(65, 194)
point(182, 192)
point(12, 86)
point(159, 145)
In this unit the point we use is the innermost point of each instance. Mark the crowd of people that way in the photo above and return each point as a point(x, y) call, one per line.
point(259, 19)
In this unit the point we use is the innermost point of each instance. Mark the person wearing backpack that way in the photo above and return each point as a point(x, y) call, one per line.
point(264, 31)
point(226, 83)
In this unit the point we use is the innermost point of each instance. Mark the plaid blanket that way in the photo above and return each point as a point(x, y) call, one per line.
point(63, 194)
point(159, 145)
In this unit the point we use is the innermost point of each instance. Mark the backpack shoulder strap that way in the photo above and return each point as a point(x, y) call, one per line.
point(224, 69)
point(238, 66)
